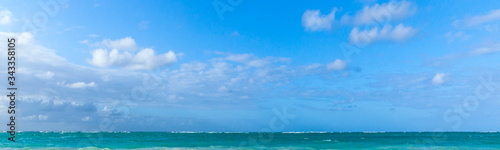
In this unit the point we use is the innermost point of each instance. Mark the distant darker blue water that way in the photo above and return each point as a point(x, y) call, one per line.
point(167, 140)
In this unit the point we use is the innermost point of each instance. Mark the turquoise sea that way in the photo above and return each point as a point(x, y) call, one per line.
point(252, 140)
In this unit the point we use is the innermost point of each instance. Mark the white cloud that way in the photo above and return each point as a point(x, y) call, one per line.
point(253, 61)
point(93, 35)
point(337, 65)
point(439, 78)
point(35, 117)
point(103, 58)
point(122, 55)
point(145, 59)
point(398, 34)
point(491, 28)
point(222, 89)
point(456, 36)
point(312, 20)
point(42, 117)
point(76, 84)
point(84, 41)
point(45, 75)
point(29, 117)
point(5, 17)
point(126, 44)
point(240, 57)
point(493, 15)
point(313, 66)
point(380, 14)
point(484, 50)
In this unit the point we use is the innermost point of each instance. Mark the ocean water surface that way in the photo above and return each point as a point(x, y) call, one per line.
point(252, 140)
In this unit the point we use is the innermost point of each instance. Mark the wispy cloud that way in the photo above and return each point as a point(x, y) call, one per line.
point(84, 41)
point(381, 13)
point(493, 15)
point(397, 34)
point(144, 25)
point(36, 117)
point(76, 84)
point(457, 36)
point(474, 52)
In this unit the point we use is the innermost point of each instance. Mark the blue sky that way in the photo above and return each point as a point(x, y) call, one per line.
point(222, 65)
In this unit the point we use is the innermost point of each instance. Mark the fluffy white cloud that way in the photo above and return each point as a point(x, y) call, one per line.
point(5, 17)
point(126, 44)
point(337, 65)
point(103, 58)
point(493, 15)
point(76, 84)
point(121, 55)
point(381, 13)
point(398, 34)
point(439, 78)
point(145, 59)
point(313, 20)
